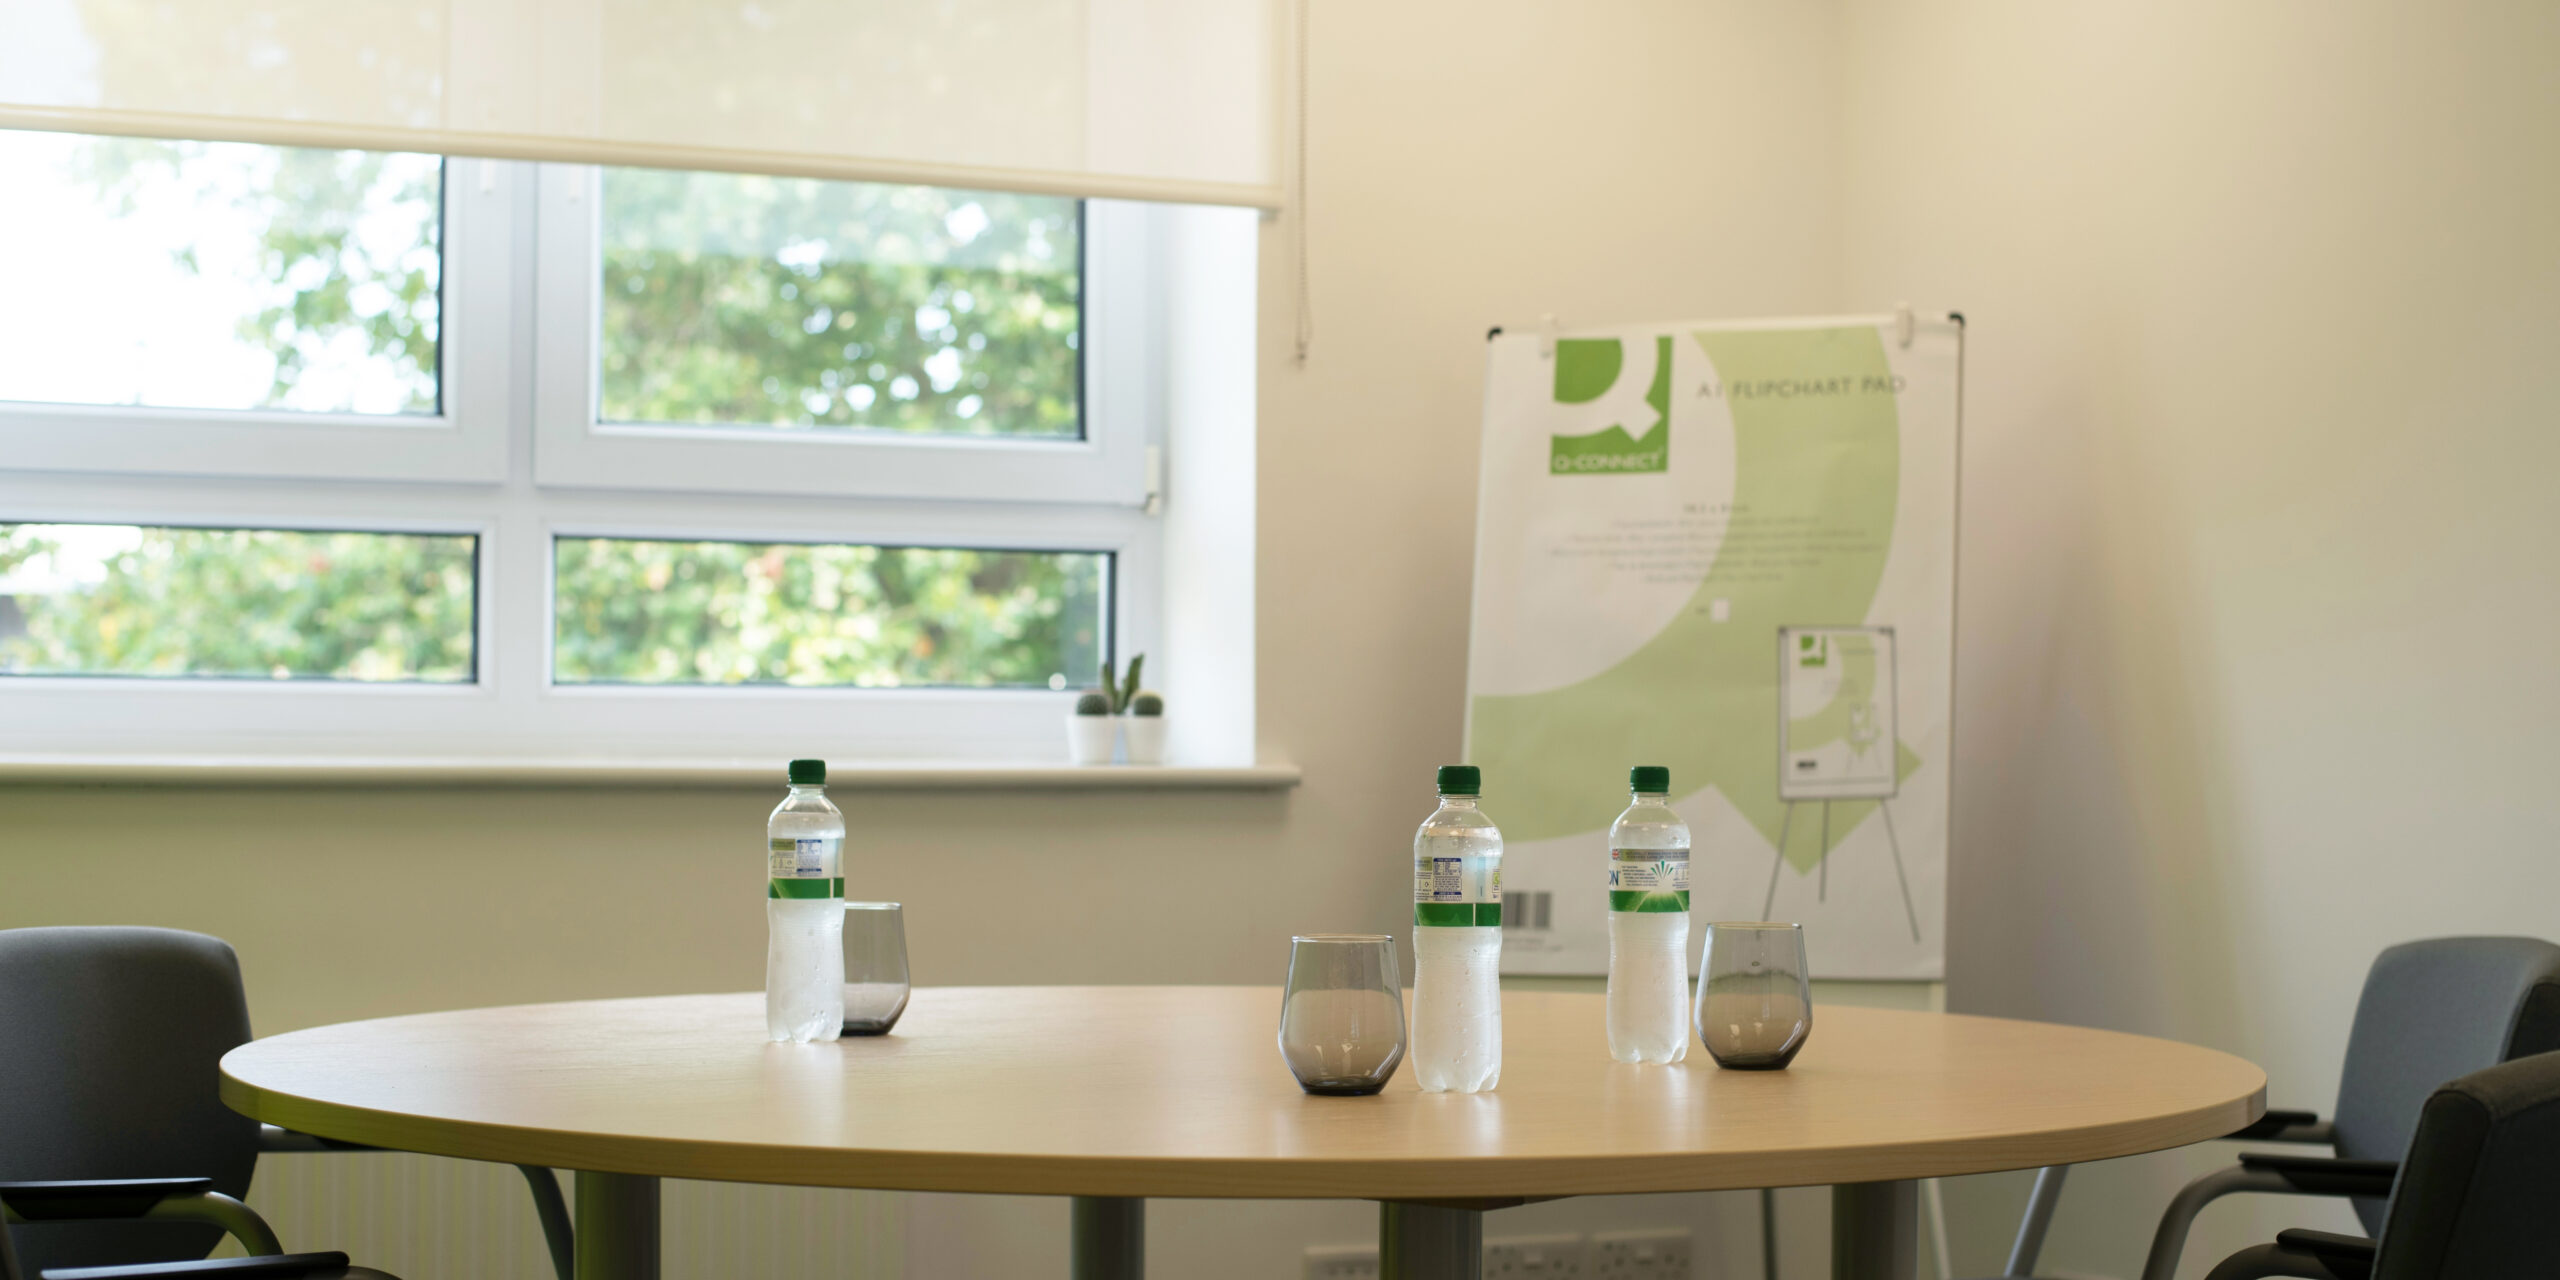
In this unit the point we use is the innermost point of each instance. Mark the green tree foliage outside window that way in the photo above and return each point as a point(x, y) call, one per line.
point(348, 254)
point(795, 303)
point(258, 603)
point(747, 613)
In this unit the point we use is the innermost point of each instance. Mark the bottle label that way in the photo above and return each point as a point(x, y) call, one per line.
point(1445, 895)
point(804, 868)
point(1648, 879)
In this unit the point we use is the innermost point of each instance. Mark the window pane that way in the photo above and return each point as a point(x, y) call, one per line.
point(131, 600)
point(784, 613)
point(794, 303)
point(216, 275)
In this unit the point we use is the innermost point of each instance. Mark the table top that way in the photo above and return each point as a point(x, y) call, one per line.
point(1180, 1091)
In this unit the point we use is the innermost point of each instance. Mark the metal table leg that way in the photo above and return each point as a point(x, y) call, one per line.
point(1769, 1233)
point(1429, 1242)
point(1108, 1240)
point(617, 1226)
point(1875, 1231)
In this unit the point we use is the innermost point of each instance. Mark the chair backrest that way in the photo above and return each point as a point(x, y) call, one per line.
point(2431, 1011)
point(2477, 1193)
point(109, 1045)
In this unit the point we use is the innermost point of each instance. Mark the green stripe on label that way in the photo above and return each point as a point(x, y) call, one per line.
point(813, 887)
point(1447, 915)
point(1648, 900)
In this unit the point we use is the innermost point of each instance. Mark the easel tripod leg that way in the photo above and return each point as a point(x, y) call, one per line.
point(1785, 824)
point(1908, 910)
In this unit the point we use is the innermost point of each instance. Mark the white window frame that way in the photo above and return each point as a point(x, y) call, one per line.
point(511, 709)
point(574, 446)
point(465, 441)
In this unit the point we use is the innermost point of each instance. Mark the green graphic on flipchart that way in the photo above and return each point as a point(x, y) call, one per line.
point(1701, 695)
point(1585, 370)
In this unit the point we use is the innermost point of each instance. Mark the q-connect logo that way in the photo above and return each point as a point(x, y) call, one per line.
point(1585, 370)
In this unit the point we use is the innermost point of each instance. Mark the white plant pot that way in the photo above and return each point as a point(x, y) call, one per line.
point(1146, 739)
point(1091, 738)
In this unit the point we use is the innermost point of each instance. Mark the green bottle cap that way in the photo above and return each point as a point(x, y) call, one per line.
point(1461, 780)
point(808, 773)
point(1649, 779)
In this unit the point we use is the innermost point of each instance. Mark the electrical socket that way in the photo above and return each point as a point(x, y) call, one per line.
point(1343, 1262)
point(1534, 1258)
point(1639, 1255)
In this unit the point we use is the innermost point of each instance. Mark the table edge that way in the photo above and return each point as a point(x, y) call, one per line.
point(1171, 1177)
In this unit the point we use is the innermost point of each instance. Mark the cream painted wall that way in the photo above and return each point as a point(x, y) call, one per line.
point(2261, 561)
point(1471, 165)
point(2259, 566)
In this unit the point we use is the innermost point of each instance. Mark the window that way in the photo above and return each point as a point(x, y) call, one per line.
point(880, 341)
point(281, 604)
point(399, 456)
point(790, 304)
point(225, 309)
point(627, 611)
point(221, 276)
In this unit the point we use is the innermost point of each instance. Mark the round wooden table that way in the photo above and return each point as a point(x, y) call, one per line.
point(1116, 1094)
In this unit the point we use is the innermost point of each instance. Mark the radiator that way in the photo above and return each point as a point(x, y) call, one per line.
point(428, 1218)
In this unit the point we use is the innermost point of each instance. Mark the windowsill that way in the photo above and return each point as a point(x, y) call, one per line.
point(847, 775)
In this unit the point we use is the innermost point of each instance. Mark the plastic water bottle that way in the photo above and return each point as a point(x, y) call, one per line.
point(804, 912)
point(1649, 924)
point(1457, 941)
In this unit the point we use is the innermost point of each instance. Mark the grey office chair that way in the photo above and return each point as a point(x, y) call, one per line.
point(110, 1040)
point(2431, 1010)
point(2475, 1196)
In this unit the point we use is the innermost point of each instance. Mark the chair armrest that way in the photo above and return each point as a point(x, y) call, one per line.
point(2322, 1176)
point(2262, 1173)
point(94, 1197)
point(2350, 1256)
point(2286, 1126)
point(275, 1268)
point(159, 1199)
point(2260, 1262)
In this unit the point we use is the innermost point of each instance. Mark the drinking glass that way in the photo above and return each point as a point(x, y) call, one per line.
point(1342, 1018)
point(875, 967)
point(1754, 1005)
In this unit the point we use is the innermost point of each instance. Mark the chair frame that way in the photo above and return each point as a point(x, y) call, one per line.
point(152, 1199)
point(2261, 1172)
point(194, 1199)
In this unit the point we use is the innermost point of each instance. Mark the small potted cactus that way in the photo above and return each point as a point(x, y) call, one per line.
point(1093, 730)
point(1146, 728)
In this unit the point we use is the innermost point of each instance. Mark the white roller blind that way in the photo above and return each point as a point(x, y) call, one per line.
point(1143, 99)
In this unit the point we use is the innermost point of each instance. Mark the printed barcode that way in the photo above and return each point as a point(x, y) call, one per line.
point(1528, 909)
